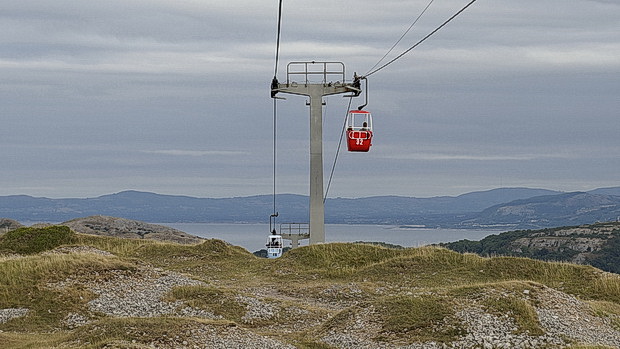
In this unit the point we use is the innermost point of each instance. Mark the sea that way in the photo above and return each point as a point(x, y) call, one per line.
point(252, 237)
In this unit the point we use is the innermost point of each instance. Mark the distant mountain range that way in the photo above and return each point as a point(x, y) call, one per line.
point(511, 208)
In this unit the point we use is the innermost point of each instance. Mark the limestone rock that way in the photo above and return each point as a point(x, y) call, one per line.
point(126, 228)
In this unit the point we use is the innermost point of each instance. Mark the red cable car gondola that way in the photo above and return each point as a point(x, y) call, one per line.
point(359, 131)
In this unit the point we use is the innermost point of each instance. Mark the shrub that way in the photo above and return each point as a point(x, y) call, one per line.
point(35, 240)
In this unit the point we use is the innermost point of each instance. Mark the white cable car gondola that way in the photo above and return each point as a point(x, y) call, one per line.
point(359, 131)
point(274, 246)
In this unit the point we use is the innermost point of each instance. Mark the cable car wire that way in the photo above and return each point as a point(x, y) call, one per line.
point(371, 72)
point(275, 101)
point(331, 175)
point(402, 36)
point(423, 39)
point(275, 72)
point(275, 109)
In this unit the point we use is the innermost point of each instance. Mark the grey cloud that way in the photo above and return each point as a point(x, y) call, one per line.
point(174, 96)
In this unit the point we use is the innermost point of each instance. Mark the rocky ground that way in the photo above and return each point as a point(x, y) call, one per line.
point(563, 318)
point(126, 228)
point(140, 293)
point(8, 224)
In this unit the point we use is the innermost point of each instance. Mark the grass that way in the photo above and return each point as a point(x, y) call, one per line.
point(403, 319)
point(136, 332)
point(116, 331)
point(35, 240)
point(341, 258)
point(414, 292)
point(217, 301)
point(439, 268)
point(514, 299)
point(422, 318)
point(31, 340)
point(520, 310)
point(24, 284)
point(607, 310)
point(116, 246)
point(309, 344)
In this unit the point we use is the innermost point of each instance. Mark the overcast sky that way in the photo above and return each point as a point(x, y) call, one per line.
point(173, 97)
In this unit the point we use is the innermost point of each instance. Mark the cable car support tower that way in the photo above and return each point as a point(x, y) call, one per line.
point(316, 80)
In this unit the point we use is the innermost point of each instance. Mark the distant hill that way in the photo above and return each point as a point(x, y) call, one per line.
point(510, 208)
point(596, 244)
point(435, 211)
point(606, 191)
point(552, 211)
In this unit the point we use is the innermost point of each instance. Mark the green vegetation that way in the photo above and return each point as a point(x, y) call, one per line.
point(521, 310)
point(409, 295)
point(23, 284)
point(422, 318)
point(135, 332)
point(608, 258)
point(607, 310)
point(491, 245)
point(219, 302)
point(336, 258)
point(35, 240)
point(511, 244)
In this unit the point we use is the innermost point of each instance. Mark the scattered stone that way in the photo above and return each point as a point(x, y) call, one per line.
point(140, 293)
point(561, 314)
point(73, 320)
point(12, 313)
point(257, 310)
point(564, 319)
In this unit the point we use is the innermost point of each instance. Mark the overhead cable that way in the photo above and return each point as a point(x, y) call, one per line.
point(275, 110)
point(331, 175)
point(402, 36)
point(423, 39)
point(275, 72)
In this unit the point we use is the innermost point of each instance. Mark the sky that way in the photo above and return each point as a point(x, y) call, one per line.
point(172, 97)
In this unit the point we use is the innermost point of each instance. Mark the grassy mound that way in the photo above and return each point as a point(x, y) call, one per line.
point(25, 283)
point(35, 240)
point(219, 302)
point(339, 255)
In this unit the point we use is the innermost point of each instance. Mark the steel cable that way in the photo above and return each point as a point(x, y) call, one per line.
point(423, 39)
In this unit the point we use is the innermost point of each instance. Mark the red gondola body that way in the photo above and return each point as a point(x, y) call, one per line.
point(359, 131)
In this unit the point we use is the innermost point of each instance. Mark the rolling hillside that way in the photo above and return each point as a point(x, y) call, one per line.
point(552, 211)
point(85, 291)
